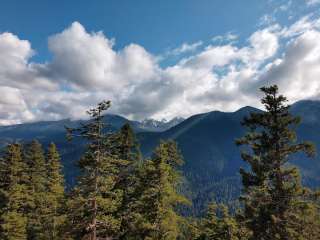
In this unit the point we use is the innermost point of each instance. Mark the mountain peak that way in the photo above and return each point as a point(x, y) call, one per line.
point(160, 125)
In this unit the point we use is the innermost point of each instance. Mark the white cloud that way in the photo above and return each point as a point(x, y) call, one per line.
point(312, 2)
point(298, 73)
point(304, 24)
point(228, 37)
point(186, 47)
point(267, 20)
point(13, 107)
point(86, 69)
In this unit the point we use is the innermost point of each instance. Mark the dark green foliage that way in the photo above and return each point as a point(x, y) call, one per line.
point(274, 200)
point(126, 148)
point(94, 202)
point(218, 224)
point(31, 193)
point(37, 187)
point(157, 217)
point(13, 194)
point(55, 217)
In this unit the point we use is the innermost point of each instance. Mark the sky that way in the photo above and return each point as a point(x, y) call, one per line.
point(153, 59)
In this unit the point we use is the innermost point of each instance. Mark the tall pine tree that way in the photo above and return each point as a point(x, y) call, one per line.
point(273, 197)
point(55, 216)
point(13, 194)
point(220, 225)
point(37, 187)
point(94, 202)
point(160, 179)
point(127, 150)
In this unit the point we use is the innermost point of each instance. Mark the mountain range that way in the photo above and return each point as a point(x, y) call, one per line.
point(207, 142)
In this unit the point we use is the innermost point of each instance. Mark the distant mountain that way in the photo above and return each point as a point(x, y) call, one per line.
point(153, 125)
point(54, 131)
point(212, 160)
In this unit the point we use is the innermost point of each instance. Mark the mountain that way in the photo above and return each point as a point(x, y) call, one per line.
point(212, 160)
point(54, 131)
point(154, 125)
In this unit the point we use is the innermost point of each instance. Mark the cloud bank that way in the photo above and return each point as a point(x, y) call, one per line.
point(86, 69)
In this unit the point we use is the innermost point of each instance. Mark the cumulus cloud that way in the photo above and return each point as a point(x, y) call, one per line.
point(186, 47)
point(298, 72)
point(312, 2)
point(86, 69)
point(228, 37)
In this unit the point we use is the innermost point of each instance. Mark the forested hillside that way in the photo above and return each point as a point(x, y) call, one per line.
point(121, 194)
point(212, 160)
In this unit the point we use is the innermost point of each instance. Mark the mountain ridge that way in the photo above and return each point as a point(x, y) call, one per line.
point(206, 140)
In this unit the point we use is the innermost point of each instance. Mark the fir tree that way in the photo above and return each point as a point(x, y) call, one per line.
point(94, 201)
point(37, 187)
point(219, 225)
point(272, 191)
point(159, 194)
point(14, 194)
point(55, 194)
point(127, 149)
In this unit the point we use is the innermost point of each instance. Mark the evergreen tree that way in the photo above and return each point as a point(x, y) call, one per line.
point(37, 187)
point(55, 194)
point(94, 201)
point(13, 194)
point(127, 149)
point(219, 225)
point(160, 179)
point(273, 197)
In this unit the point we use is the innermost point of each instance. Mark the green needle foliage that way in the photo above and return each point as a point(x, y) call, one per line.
point(94, 201)
point(273, 198)
point(160, 180)
point(218, 224)
point(126, 148)
point(13, 194)
point(55, 218)
point(37, 187)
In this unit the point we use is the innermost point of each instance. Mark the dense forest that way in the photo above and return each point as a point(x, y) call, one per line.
point(122, 195)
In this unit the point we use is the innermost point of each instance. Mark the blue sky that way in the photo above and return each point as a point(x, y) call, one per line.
point(155, 25)
point(190, 56)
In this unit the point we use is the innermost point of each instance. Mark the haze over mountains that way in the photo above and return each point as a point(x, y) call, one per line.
point(212, 160)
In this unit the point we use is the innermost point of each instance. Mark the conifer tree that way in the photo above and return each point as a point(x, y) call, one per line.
point(55, 194)
point(93, 201)
point(13, 194)
point(159, 194)
point(219, 225)
point(209, 223)
point(272, 191)
point(37, 187)
point(126, 148)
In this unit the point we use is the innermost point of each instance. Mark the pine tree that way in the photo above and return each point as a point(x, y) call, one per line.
point(55, 195)
point(127, 149)
point(13, 194)
point(273, 197)
point(159, 195)
point(219, 225)
point(94, 201)
point(37, 187)
point(209, 223)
